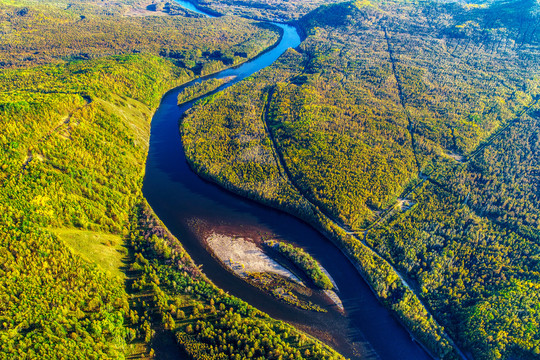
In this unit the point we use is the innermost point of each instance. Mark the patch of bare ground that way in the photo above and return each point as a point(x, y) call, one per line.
point(404, 204)
point(456, 157)
point(243, 257)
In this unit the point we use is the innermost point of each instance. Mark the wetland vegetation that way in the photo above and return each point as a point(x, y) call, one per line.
point(305, 262)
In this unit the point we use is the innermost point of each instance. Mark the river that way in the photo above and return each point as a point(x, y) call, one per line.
point(190, 207)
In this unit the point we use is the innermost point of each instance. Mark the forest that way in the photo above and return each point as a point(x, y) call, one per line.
point(408, 133)
point(78, 88)
point(207, 322)
point(501, 181)
point(303, 261)
point(273, 10)
point(197, 90)
point(227, 139)
point(45, 35)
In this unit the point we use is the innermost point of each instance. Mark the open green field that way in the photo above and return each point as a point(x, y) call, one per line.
point(108, 251)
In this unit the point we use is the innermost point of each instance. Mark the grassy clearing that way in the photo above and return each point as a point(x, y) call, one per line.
point(105, 250)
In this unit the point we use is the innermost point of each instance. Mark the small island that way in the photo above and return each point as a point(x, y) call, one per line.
point(285, 271)
point(304, 261)
point(202, 88)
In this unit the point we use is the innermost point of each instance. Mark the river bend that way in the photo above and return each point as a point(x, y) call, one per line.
point(186, 203)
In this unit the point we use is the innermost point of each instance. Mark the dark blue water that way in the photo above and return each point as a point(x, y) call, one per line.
point(184, 201)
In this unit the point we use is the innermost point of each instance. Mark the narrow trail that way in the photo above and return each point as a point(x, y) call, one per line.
point(464, 160)
point(390, 209)
point(410, 123)
point(285, 171)
point(499, 132)
point(361, 235)
point(277, 158)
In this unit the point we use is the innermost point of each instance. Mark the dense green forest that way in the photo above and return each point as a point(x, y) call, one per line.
point(197, 90)
point(72, 157)
point(227, 139)
point(85, 270)
point(501, 181)
point(408, 133)
point(465, 267)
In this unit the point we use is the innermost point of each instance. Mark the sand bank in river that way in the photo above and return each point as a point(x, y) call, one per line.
point(243, 257)
point(335, 298)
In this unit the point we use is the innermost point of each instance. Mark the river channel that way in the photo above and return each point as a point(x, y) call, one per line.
point(186, 204)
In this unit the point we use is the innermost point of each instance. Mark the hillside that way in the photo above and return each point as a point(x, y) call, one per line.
point(406, 132)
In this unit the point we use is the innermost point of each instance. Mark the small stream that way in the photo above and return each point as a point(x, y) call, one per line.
point(192, 208)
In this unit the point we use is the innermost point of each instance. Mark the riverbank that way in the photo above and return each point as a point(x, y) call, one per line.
point(373, 269)
point(265, 179)
point(172, 176)
point(244, 257)
point(184, 302)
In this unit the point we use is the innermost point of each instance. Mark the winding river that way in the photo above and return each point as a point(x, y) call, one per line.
point(190, 207)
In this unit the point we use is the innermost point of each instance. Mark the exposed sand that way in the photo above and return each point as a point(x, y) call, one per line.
point(456, 157)
point(335, 298)
point(243, 257)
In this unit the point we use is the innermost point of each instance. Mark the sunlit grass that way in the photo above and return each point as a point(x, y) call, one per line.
point(104, 249)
